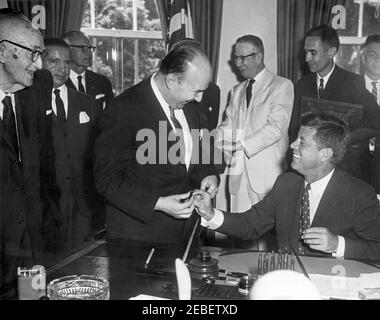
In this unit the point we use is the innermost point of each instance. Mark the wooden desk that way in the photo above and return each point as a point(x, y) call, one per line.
point(122, 263)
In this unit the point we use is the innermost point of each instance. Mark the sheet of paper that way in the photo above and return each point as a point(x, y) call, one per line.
point(336, 287)
point(147, 297)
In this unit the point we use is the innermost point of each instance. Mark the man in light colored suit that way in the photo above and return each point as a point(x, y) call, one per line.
point(253, 136)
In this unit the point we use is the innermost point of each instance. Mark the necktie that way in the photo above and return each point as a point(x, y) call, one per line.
point(305, 216)
point(61, 115)
point(179, 135)
point(10, 121)
point(374, 89)
point(80, 85)
point(321, 88)
point(372, 141)
point(248, 91)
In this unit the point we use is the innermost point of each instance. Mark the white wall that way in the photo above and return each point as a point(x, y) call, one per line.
point(240, 17)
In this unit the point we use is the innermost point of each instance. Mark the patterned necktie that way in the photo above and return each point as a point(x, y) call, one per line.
point(248, 91)
point(10, 121)
point(374, 89)
point(80, 85)
point(305, 216)
point(321, 88)
point(179, 135)
point(61, 115)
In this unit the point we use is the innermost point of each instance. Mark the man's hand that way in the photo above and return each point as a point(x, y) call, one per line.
point(210, 184)
point(179, 206)
point(203, 204)
point(320, 239)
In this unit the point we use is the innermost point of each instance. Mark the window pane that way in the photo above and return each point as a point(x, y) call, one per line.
point(150, 54)
point(371, 20)
point(348, 58)
point(352, 19)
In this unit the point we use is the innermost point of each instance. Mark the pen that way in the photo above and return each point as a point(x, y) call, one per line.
point(189, 242)
point(149, 257)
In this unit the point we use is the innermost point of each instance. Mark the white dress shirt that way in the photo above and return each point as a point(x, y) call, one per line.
point(63, 94)
point(74, 78)
point(316, 191)
point(325, 78)
point(369, 86)
point(179, 114)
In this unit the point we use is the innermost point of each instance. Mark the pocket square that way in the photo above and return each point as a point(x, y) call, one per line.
point(99, 96)
point(49, 112)
point(83, 117)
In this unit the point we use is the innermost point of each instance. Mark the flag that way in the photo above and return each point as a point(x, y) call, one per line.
point(180, 23)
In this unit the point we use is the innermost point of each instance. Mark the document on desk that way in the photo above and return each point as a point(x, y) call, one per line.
point(337, 287)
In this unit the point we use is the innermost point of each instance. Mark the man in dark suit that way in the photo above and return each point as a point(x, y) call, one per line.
point(319, 209)
point(138, 168)
point(74, 135)
point(81, 78)
point(328, 81)
point(20, 188)
point(371, 62)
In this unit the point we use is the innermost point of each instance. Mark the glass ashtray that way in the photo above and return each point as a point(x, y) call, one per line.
point(84, 287)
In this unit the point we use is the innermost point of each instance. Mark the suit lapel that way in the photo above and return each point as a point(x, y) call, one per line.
point(90, 84)
point(326, 205)
point(70, 84)
point(294, 206)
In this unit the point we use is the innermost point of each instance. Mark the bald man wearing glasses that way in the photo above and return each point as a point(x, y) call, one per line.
point(81, 78)
point(253, 135)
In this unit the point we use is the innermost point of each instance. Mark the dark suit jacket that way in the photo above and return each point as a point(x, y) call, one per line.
point(348, 87)
point(74, 149)
point(96, 84)
point(210, 106)
point(348, 208)
point(20, 190)
point(132, 188)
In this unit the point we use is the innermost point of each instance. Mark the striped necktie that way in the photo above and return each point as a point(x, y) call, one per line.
point(179, 135)
point(374, 89)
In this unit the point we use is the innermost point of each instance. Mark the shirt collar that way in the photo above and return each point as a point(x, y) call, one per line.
point(62, 89)
point(326, 77)
point(258, 76)
point(158, 94)
point(369, 81)
point(321, 184)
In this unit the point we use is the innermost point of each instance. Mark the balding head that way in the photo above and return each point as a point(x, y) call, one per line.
point(81, 50)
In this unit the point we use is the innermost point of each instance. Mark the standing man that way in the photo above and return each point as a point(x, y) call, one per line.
point(146, 183)
point(328, 81)
point(74, 135)
point(81, 78)
point(253, 136)
point(21, 47)
point(319, 209)
point(371, 62)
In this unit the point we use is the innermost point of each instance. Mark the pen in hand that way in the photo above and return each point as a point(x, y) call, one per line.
point(148, 258)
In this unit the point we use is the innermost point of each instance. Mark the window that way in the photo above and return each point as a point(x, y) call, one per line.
point(128, 38)
point(362, 20)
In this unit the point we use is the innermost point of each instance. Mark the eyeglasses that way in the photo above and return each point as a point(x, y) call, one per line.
point(84, 48)
point(242, 58)
point(35, 53)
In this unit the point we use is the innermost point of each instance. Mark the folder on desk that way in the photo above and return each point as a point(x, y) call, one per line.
point(351, 113)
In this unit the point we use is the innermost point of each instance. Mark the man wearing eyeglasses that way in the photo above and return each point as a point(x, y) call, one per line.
point(253, 136)
point(81, 78)
point(87, 81)
point(21, 205)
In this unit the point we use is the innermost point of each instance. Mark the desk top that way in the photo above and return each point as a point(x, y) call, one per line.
point(122, 263)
